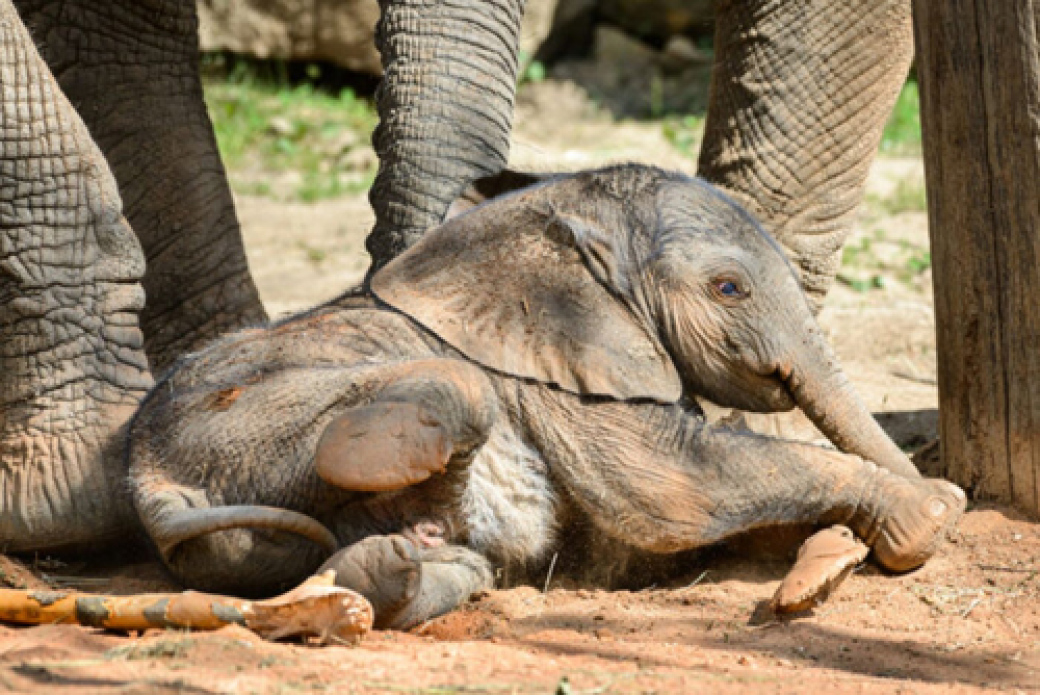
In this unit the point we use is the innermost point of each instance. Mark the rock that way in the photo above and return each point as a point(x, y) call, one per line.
point(343, 143)
point(571, 32)
point(281, 126)
point(538, 23)
point(680, 53)
point(337, 31)
point(362, 158)
point(615, 49)
point(657, 20)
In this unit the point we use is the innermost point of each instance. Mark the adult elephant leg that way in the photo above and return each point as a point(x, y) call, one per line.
point(445, 109)
point(131, 68)
point(72, 367)
point(799, 97)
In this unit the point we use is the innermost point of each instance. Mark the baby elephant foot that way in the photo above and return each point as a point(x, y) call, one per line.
point(405, 585)
point(916, 517)
point(386, 570)
point(824, 561)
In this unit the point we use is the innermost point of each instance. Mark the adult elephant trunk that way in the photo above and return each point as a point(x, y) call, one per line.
point(821, 389)
point(445, 108)
point(799, 98)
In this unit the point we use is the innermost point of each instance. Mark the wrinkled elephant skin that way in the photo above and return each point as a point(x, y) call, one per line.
point(543, 343)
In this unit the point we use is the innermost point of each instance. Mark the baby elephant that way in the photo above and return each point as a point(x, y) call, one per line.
point(529, 363)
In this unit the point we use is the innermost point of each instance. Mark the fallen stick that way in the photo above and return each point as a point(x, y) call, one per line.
point(316, 608)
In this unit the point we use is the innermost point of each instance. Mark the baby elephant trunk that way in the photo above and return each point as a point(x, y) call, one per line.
point(824, 393)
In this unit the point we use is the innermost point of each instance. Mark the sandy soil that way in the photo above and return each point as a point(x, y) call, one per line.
point(968, 622)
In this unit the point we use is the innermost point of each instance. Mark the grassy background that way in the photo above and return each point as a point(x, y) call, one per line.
point(268, 125)
point(294, 133)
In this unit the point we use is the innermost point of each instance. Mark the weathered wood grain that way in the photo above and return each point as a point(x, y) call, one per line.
point(980, 108)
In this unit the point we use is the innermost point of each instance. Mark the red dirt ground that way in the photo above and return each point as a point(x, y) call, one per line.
point(968, 622)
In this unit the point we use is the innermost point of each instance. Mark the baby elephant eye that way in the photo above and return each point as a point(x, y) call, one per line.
point(729, 288)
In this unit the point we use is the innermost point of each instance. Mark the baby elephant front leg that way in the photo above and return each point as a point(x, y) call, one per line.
point(429, 412)
point(903, 520)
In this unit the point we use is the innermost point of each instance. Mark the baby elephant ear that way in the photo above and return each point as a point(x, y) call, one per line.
point(527, 294)
point(488, 187)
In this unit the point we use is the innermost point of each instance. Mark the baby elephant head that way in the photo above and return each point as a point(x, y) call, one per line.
point(632, 283)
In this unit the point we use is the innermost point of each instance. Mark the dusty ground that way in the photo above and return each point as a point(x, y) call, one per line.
point(968, 622)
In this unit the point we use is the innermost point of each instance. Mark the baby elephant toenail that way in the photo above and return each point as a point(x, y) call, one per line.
point(936, 507)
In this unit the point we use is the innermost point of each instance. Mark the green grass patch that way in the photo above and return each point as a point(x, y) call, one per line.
point(902, 134)
point(874, 262)
point(685, 134)
point(269, 127)
point(908, 195)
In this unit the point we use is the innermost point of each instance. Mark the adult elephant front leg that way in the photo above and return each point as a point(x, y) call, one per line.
point(445, 109)
point(799, 97)
point(131, 68)
point(72, 368)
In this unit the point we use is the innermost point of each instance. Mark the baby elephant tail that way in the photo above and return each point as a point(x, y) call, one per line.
point(246, 550)
point(188, 524)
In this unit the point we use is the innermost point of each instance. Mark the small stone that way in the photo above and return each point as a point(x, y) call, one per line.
point(344, 142)
point(614, 47)
point(361, 158)
point(281, 126)
point(680, 53)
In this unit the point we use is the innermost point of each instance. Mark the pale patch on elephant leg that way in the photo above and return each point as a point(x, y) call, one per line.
point(509, 507)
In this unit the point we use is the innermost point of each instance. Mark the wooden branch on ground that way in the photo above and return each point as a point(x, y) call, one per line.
point(316, 609)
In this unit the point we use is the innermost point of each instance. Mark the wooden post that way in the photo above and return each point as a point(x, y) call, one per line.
point(980, 110)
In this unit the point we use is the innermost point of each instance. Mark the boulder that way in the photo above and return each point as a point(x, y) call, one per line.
point(658, 20)
point(337, 31)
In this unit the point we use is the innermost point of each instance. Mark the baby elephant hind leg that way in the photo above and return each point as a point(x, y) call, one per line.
point(405, 585)
point(430, 412)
